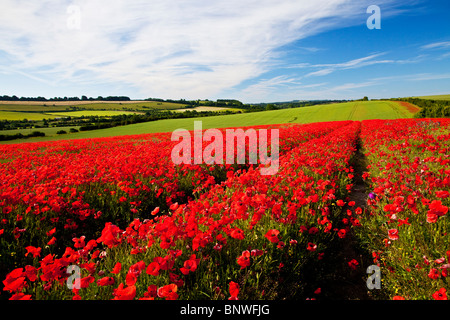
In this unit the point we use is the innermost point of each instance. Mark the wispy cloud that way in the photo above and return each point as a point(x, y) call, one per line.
point(437, 45)
point(429, 76)
point(165, 48)
point(325, 69)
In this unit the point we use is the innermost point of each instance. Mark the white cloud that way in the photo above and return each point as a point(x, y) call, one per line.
point(166, 48)
point(429, 76)
point(352, 64)
point(437, 45)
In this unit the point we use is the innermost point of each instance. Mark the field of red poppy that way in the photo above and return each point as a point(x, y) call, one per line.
point(137, 226)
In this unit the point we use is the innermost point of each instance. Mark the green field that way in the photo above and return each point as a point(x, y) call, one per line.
point(330, 112)
point(18, 116)
point(99, 105)
point(89, 113)
point(38, 116)
point(437, 97)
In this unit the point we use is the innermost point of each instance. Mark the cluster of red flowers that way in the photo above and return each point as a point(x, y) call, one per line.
point(410, 180)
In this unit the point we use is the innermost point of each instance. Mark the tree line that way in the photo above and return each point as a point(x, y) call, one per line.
point(430, 108)
point(83, 98)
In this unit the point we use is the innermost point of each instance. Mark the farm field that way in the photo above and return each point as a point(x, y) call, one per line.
point(205, 108)
point(10, 115)
point(88, 105)
point(436, 97)
point(139, 226)
point(89, 113)
point(360, 110)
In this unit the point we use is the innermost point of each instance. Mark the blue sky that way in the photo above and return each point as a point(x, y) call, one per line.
point(254, 51)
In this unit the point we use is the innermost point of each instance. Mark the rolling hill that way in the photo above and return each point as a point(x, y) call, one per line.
point(356, 110)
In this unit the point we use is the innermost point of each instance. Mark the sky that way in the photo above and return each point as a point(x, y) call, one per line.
point(253, 51)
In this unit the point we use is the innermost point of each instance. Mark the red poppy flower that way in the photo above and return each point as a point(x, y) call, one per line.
point(311, 246)
point(353, 264)
point(342, 233)
point(130, 279)
point(340, 203)
point(432, 217)
point(281, 245)
point(31, 273)
point(14, 280)
point(237, 234)
point(110, 235)
point(188, 266)
point(122, 293)
point(434, 273)
point(440, 294)
point(393, 234)
point(117, 268)
point(169, 292)
point(105, 281)
point(51, 232)
point(442, 194)
point(36, 252)
point(272, 235)
point(153, 269)
point(20, 296)
point(234, 290)
point(52, 241)
point(244, 259)
point(152, 292)
point(86, 281)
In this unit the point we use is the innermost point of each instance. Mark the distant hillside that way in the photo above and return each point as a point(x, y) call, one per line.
point(355, 110)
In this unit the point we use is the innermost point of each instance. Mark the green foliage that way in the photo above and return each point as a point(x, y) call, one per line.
point(430, 108)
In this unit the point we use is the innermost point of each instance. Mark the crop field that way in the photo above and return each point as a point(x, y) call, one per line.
point(89, 113)
point(436, 97)
point(205, 108)
point(347, 195)
point(24, 106)
point(10, 115)
point(357, 111)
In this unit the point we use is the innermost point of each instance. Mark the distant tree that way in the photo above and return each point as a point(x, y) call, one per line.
point(365, 99)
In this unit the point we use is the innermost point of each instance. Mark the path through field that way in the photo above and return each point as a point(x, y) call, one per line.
point(342, 284)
